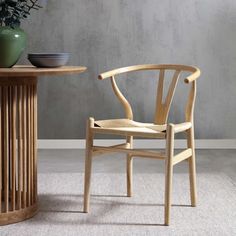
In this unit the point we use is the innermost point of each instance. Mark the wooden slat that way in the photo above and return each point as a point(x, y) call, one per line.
point(159, 106)
point(24, 133)
point(28, 149)
point(32, 142)
point(170, 94)
point(13, 146)
point(20, 148)
point(133, 152)
point(6, 146)
point(35, 141)
point(163, 108)
point(182, 156)
point(10, 145)
point(99, 152)
point(1, 148)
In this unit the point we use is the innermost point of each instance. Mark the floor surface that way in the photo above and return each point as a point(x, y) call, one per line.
point(208, 161)
point(112, 213)
point(61, 203)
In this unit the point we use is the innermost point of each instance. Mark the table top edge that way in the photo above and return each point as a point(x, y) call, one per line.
point(27, 70)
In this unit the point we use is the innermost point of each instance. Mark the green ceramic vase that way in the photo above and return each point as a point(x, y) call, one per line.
point(12, 44)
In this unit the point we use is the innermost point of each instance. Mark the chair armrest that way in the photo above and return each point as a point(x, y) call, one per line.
point(193, 76)
point(182, 127)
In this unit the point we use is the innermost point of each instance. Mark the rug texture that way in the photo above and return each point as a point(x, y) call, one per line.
point(112, 213)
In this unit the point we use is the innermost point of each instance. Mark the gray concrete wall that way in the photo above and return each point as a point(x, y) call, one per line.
point(106, 34)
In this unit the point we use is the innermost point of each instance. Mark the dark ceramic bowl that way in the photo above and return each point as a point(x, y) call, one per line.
point(48, 59)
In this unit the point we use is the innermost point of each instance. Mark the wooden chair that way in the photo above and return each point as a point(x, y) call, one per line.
point(159, 129)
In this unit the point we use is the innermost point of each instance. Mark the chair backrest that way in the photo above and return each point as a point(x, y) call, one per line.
point(162, 108)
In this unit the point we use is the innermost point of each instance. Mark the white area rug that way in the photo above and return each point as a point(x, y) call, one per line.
point(112, 213)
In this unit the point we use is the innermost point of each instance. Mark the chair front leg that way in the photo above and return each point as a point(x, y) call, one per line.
point(88, 164)
point(192, 167)
point(129, 168)
point(169, 171)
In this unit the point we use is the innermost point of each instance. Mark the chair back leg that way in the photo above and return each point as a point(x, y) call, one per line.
point(169, 171)
point(192, 167)
point(129, 168)
point(88, 164)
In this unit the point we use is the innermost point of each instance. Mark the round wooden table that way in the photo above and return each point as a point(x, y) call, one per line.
point(18, 139)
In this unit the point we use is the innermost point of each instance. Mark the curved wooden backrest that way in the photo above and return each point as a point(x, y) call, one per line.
point(162, 108)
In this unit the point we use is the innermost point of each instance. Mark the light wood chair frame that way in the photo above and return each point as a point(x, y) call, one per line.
point(161, 117)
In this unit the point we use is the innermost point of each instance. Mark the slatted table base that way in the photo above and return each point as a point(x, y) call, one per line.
point(18, 156)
